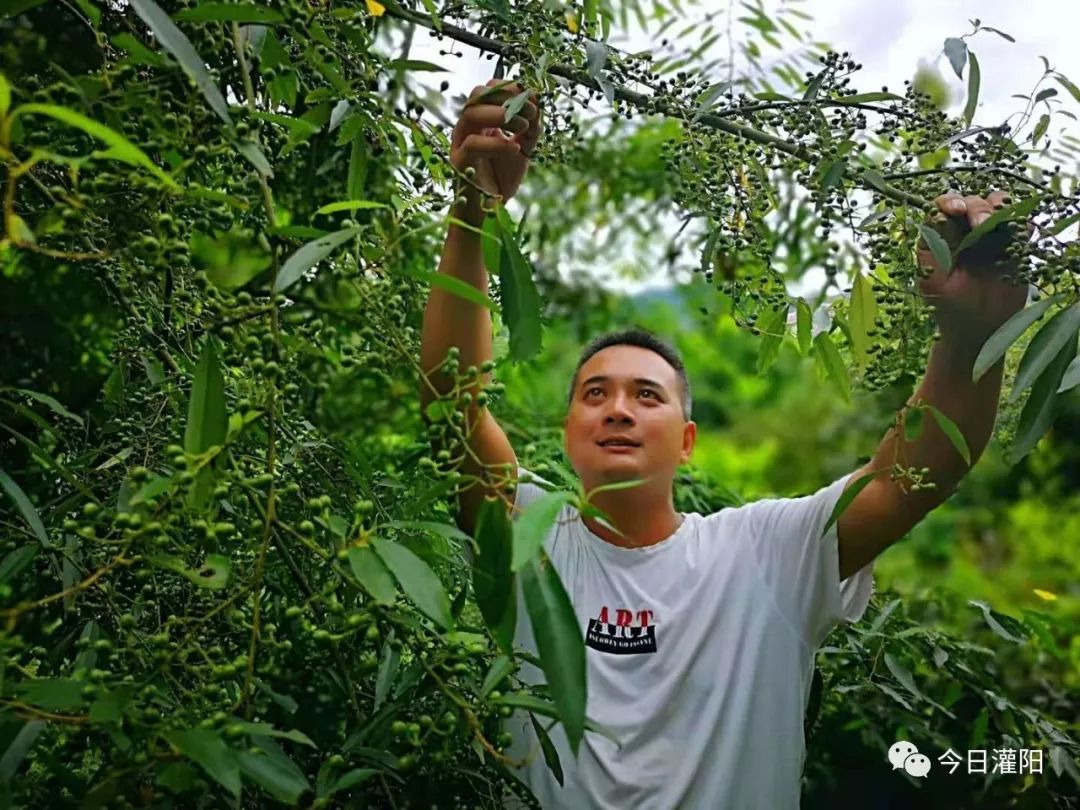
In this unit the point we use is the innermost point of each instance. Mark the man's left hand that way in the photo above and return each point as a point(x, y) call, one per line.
point(977, 296)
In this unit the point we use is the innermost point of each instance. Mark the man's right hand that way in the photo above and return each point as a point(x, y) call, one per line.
point(478, 141)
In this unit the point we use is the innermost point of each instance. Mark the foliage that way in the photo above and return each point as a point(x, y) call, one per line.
point(229, 571)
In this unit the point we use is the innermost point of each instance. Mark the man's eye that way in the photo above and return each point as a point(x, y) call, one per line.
point(650, 391)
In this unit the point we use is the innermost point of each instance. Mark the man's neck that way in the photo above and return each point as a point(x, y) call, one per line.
point(643, 520)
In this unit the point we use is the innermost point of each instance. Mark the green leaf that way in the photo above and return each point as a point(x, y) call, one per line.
point(902, 674)
point(120, 148)
point(255, 156)
point(814, 86)
point(596, 54)
point(207, 750)
point(1038, 412)
point(417, 580)
point(826, 352)
point(863, 313)
point(973, 90)
point(1062, 224)
point(284, 784)
point(1040, 129)
point(833, 172)
point(804, 322)
point(551, 755)
point(351, 205)
point(353, 778)
point(20, 745)
point(913, 423)
point(52, 693)
point(532, 525)
point(388, 670)
point(1001, 34)
point(883, 616)
point(414, 64)
point(956, 51)
point(52, 403)
point(372, 574)
point(1002, 215)
point(1074, 91)
point(451, 284)
point(176, 43)
point(1007, 334)
point(16, 561)
point(559, 642)
point(851, 491)
point(492, 577)
point(865, 98)
point(995, 621)
point(1071, 378)
point(223, 12)
point(5, 96)
point(358, 160)
point(514, 105)
point(213, 573)
point(1044, 347)
point(207, 422)
point(26, 508)
point(16, 7)
point(952, 432)
point(939, 248)
point(873, 178)
point(309, 255)
point(519, 297)
point(500, 668)
point(231, 259)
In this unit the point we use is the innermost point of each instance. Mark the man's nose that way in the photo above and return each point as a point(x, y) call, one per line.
point(619, 411)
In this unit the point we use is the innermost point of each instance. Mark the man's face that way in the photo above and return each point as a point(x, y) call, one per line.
point(632, 392)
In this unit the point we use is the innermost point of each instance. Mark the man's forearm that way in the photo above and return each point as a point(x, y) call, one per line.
point(450, 320)
point(971, 406)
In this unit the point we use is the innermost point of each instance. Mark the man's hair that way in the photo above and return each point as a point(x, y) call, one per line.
point(637, 336)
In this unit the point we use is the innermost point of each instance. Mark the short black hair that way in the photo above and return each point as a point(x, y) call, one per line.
point(637, 336)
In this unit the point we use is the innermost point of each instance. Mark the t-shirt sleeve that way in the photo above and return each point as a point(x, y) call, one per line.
point(801, 564)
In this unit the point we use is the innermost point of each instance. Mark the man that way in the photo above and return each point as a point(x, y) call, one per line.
point(700, 629)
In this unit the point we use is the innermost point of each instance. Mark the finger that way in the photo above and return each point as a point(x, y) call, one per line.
point(978, 210)
point(476, 118)
point(529, 137)
point(477, 145)
point(951, 204)
point(998, 199)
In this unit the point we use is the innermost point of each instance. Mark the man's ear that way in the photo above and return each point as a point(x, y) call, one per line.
point(689, 437)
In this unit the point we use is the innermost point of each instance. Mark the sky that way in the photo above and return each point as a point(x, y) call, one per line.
point(890, 40)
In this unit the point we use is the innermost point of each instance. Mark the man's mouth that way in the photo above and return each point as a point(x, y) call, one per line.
point(618, 443)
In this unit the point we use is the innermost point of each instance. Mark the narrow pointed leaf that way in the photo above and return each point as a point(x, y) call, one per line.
point(372, 574)
point(863, 313)
point(939, 248)
point(1038, 412)
point(1071, 378)
point(388, 670)
point(974, 79)
point(1007, 334)
point(492, 577)
point(310, 255)
point(559, 642)
point(120, 148)
point(952, 432)
point(551, 755)
point(207, 421)
point(1044, 347)
point(1018, 211)
point(804, 322)
point(417, 580)
point(176, 42)
point(533, 524)
point(284, 784)
point(26, 507)
point(851, 490)
point(956, 51)
point(207, 750)
point(830, 359)
point(520, 299)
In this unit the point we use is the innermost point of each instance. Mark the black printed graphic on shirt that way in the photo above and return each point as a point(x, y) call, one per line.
point(622, 632)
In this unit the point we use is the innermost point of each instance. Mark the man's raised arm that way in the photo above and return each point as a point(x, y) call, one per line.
point(970, 304)
point(496, 163)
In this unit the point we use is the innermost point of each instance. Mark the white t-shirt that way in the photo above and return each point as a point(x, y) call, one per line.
point(700, 654)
